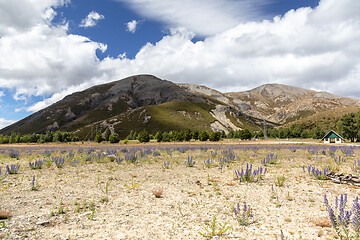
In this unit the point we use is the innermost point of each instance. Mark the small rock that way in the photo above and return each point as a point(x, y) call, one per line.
point(42, 223)
point(5, 214)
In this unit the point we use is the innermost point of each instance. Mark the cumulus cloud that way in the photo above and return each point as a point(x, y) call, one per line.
point(41, 61)
point(132, 26)
point(203, 17)
point(5, 122)
point(91, 19)
point(21, 15)
point(305, 47)
point(311, 48)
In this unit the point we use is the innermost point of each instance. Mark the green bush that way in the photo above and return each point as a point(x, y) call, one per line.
point(114, 138)
point(143, 136)
point(99, 138)
point(203, 136)
point(215, 136)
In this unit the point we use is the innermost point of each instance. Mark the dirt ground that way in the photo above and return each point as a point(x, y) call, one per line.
point(100, 198)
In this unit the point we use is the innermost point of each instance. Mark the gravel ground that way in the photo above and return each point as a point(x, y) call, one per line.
point(101, 199)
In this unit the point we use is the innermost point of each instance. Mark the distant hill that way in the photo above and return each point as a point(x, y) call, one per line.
point(147, 102)
point(279, 103)
point(134, 103)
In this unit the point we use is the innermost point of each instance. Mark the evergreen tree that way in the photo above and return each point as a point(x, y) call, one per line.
point(245, 134)
point(58, 136)
point(215, 136)
point(107, 134)
point(187, 135)
point(99, 137)
point(12, 138)
point(131, 135)
point(203, 136)
point(165, 137)
point(158, 136)
point(114, 138)
point(348, 126)
point(143, 136)
point(195, 134)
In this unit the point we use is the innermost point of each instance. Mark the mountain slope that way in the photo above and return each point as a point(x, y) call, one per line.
point(133, 103)
point(146, 102)
point(278, 103)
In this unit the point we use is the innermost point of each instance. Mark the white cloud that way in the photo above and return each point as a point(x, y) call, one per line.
point(132, 26)
point(303, 48)
point(42, 61)
point(5, 122)
point(21, 15)
point(312, 48)
point(91, 19)
point(202, 17)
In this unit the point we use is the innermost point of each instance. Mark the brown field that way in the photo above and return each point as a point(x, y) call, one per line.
point(102, 199)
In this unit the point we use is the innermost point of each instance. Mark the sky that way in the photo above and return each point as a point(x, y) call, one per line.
point(52, 48)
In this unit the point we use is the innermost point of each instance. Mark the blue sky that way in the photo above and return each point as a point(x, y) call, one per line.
point(53, 48)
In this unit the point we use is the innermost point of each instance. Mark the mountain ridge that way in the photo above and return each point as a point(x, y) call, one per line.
point(147, 102)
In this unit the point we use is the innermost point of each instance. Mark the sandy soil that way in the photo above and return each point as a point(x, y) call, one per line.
point(100, 199)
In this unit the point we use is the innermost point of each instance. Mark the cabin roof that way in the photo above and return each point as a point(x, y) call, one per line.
point(332, 134)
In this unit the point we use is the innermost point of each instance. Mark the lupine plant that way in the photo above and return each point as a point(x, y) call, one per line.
point(341, 219)
point(347, 151)
point(13, 168)
point(74, 163)
point(14, 154)
point(37, 164)
point(250, 175)
point(156, 154)
point(119, 160)
point(131, 157)
point(33, 187)
point(208, 163)
point(339, 160)
point(224, 162)
point(244, 216)
point(166, 165)
point(189, 162)
point(318, 174)
point(357, 166)
point(59, 161)
point(270, 159)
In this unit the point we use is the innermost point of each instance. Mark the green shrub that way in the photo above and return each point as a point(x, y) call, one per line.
point(99, 138)
point(114, 138)
point(143, 136)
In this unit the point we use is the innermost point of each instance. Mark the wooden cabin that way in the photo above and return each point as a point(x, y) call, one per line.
point(333, 137)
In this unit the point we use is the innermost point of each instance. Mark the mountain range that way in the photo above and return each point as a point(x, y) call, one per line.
point(147, 102)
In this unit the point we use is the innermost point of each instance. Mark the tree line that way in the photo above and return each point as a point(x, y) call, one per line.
point(39, 138)
point(348, 126)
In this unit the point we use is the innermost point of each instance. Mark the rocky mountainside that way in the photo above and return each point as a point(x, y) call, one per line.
point(279, 103)
point(146, 102)
point(133, 103)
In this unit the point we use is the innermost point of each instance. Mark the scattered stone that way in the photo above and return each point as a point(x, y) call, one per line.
point(5, 214)
point(43, 223)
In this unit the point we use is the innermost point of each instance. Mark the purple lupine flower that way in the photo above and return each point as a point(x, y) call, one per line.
point(336, 202)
